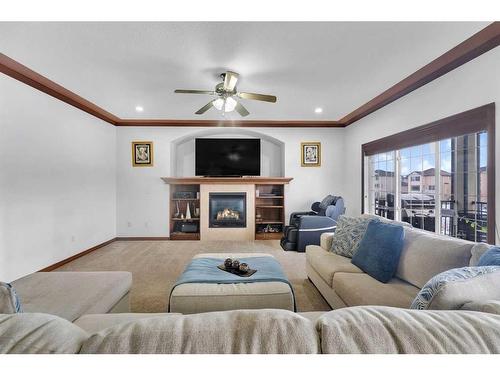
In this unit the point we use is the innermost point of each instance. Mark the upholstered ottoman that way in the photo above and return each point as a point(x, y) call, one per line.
point(198, 297)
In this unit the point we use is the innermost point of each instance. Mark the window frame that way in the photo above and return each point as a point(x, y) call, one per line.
point(472, 121)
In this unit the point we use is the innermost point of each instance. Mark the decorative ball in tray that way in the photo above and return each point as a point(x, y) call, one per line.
point(236, 268)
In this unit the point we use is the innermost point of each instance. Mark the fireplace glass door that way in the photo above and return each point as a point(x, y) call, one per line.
point(227, 210)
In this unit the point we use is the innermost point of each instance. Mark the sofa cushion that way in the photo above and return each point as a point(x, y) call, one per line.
point(325, 240)
point(450, 290)
point(348, 234)
point(357, 289)
point(386, 330)
point(72, 294)
point(379, 251)
point(264, 331)
point(490, 257)
point(425, 255)
point(39, 334)
point(326, 263)
point(477, 251)
point(9, 300)
point(489, 306)
point(93, 323)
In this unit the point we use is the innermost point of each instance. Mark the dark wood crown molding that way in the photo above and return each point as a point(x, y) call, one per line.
point(22, 73)
point(232, 123)
point(481, 42)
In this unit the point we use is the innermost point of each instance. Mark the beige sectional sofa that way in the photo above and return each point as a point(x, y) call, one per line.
point(367, 329)
point(424, 255)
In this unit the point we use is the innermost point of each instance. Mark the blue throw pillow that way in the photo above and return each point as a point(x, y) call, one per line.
point(490, 257)
point(379, 251)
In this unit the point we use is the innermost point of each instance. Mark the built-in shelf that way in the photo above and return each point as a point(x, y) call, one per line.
point(184, 236)
point(269, 204)
point(268, 236)
point(269, 211)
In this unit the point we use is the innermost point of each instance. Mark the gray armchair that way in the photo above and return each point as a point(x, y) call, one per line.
point(305, 228)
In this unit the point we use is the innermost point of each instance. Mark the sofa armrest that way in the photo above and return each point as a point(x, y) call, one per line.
point(326, 241)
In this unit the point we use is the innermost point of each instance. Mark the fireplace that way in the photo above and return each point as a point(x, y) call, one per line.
point(227, 210)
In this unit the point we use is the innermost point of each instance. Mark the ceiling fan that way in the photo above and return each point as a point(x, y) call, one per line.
point(226, 93)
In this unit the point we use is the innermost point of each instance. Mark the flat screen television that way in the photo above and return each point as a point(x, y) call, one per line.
point(226, 157)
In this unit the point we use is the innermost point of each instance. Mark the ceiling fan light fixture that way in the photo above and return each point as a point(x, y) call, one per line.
point(225, 93)
point(226, 105)
point(230, 104)
point(218, 104)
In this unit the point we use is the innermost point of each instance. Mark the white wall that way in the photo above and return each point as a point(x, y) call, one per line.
point(142, 197)
point(57, 180)
point(469, 86)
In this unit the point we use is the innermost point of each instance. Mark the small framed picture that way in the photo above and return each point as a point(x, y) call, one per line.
point(142, 154)
point(310, 154)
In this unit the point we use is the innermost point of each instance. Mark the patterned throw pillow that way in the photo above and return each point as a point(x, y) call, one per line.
point(9, 301)
point(465, 289)
point(348, 234)
point(490, 257)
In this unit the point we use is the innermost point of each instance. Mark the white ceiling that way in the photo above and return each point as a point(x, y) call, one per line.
point(335, 65)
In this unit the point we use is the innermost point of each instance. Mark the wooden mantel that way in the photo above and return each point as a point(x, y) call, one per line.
point(226, 180)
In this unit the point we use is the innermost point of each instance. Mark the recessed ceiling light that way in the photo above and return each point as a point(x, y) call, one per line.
point(139, 108)
point(318, 110)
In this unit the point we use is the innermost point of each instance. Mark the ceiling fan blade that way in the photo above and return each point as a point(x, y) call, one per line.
point(241, 110)
point(262, 97)
point(230, 81)
point(195, 92)
point(205, 108)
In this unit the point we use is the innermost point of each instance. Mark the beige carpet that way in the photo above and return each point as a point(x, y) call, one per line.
point(155, 265)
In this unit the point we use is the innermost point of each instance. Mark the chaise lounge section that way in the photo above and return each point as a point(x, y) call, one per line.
point(70, 295)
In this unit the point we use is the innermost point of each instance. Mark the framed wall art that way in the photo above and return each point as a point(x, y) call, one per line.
point(142, 154)
point(310, 154)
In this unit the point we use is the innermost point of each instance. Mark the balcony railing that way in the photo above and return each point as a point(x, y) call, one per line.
point(470, 224)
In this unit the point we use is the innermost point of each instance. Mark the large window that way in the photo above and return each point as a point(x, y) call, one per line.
point(440, 186)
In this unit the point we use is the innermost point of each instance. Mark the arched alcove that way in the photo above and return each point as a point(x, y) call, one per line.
point(183, 151)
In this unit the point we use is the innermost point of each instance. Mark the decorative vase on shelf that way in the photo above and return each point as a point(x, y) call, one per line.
point(188, 212)
point(196, 212)
point(177, 212)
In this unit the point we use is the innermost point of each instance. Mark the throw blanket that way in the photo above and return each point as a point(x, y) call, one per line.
point(205, 271)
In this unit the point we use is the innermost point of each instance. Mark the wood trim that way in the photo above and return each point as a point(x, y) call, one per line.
point(490, 120)
point(474, 120)
point(23, 74)
point(227, 180)
point(76, 256)
point(142, 238)
point(481, 42)
point(470, 121)
point(232, 123)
